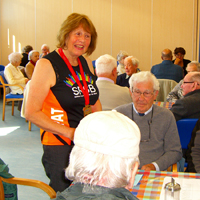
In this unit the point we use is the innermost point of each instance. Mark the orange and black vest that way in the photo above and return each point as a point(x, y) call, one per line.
point(65, 101)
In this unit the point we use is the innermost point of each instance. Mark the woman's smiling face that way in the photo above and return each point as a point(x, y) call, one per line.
point(78, 41)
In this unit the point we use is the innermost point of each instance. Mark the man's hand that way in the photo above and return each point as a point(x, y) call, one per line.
point(148, 167)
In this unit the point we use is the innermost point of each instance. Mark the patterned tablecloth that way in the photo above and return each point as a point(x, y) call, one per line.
point(150, 185)
point(164, 104)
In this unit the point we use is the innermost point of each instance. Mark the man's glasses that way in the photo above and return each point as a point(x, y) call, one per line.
point(138, 93)
point(184, 82)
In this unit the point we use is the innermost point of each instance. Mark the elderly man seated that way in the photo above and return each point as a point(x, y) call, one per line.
point(131, 66)
point(177, 91)
point(104, 160)
point(188, 106)
point(160, 144)
point(110, 94)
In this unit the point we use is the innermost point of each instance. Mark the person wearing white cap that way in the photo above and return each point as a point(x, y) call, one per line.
point(104, 160)
point(160, 143)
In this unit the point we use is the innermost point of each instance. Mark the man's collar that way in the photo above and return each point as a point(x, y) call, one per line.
point(105, 79)
point(148, 111)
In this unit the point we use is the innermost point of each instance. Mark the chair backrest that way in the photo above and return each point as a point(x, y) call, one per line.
point(3, 77)
point(185, 128)
point(166, 85)
point(2, 67)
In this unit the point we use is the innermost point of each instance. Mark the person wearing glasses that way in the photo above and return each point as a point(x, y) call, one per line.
point(179, 53)
point(167, 69)
point(177, 92)
point(160, 144)
point(188, 106)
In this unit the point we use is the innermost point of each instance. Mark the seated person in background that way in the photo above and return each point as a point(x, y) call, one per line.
point(13, 74)
point(179, 53)
point(160, 144)
point(110, 94)
point(188, 106)
point(103, 163)
point(120, 58)
point(166, 69)
point(131, 67)
point(25, 51)
point(176, 93)
point(33, 57)
point(45, 50)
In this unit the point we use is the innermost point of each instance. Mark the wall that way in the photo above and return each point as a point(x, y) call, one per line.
point(142, 28)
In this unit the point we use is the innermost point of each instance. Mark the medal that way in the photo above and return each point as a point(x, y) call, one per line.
point(87, 109)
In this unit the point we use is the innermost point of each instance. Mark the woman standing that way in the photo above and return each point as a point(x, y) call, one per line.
point(62, 92)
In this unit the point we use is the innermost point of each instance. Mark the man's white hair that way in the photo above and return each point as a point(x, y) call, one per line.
point(144, 76)
point(134, 60)
point(45, 45)
point(105, 64)
point(90, 167)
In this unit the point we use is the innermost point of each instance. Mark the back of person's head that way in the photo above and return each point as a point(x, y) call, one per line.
point(144, 76)
point(166, 54)
point(31, 53)
point(71, 23)
point(134, 60)
point(194, 63)
point(105, 64)
point(121, 55)
point(106, 148)
point(179, 50)
point(15, 57)
point(27, 49)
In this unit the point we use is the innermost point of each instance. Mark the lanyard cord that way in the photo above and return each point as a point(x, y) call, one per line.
point(85, 89)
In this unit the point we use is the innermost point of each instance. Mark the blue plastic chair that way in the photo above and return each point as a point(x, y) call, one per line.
point(2, 67)
point(185, 128)
point(9, 97)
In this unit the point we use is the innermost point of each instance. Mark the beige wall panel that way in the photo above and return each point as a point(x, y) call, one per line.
point(131, 29)
point(49, 17)
point(99, 11)
point(18, 17)
point(172, 27)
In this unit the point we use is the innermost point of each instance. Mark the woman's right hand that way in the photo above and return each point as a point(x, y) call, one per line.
point(177, 61)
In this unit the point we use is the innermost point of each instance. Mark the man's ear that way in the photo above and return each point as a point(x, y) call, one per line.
point(156, 94)
point(114, 71)
point(133, 173)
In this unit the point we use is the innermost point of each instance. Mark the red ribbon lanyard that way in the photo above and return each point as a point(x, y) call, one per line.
point(85, 89)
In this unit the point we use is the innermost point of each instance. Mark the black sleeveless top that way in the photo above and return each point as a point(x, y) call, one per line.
point(67, 91)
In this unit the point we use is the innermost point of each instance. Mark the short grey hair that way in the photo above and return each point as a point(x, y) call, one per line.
point(121, 54)
point(194, 62)
point(31, 53)
point(134, 60)
point(195, 77)
point(82, 168)
point(45, 45)
point(15, 57)
point(105, 64)
point(144, 76)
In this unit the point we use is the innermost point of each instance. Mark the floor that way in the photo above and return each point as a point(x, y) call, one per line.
point(22, 151)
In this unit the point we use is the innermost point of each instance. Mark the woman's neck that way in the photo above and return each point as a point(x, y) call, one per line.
point(72, 59)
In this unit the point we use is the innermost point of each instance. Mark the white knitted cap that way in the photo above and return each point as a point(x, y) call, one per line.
point(108, 132)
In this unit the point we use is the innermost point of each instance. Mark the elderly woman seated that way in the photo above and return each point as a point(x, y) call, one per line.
point(33, 56)
point(13, 74)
